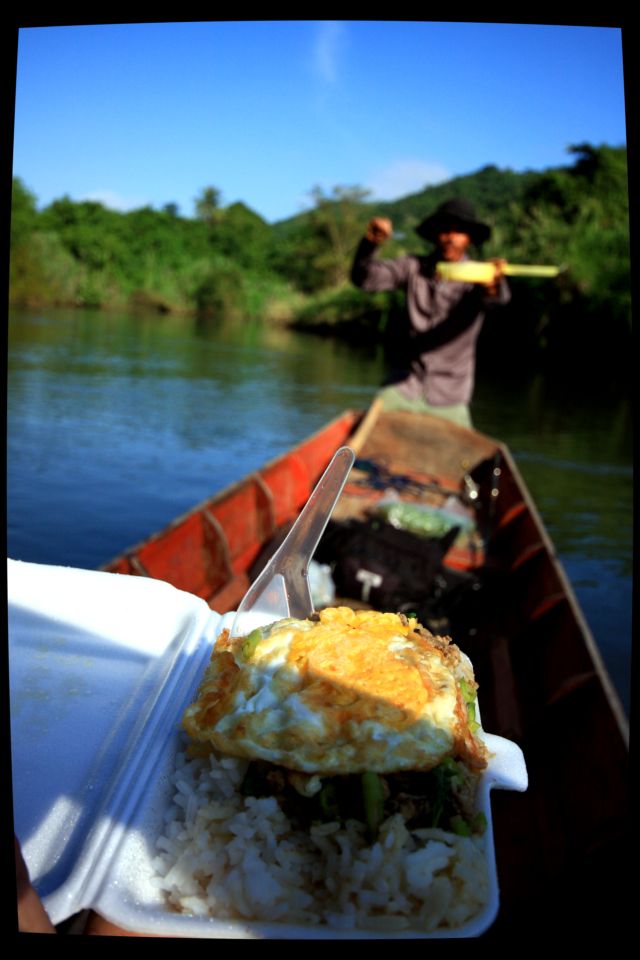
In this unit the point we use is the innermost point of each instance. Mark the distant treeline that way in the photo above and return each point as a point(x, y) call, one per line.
point(226, 260)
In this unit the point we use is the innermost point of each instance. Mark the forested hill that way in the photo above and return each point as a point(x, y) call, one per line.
point(228, 260)
point(489, 189)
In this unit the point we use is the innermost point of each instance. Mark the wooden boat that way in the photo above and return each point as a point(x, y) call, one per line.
point(561, 846)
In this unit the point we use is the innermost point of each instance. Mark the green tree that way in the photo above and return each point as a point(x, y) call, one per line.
point(315, 250)
point(221, 293)
point(243, 236)
point(24, 214)
point(577, 217)
point(336, 226)
point(93, 234)
point(41, 270)
point(207, 204)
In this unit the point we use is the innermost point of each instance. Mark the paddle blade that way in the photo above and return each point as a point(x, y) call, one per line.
point(474, 271)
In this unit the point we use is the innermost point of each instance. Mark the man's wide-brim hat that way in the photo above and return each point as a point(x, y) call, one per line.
point(457, 213)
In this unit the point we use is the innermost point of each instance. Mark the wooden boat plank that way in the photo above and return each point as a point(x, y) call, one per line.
point(440, 447)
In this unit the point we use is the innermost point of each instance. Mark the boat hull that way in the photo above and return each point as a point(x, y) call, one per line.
point(542, 682)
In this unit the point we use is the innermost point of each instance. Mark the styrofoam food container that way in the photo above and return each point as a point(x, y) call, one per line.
point(101, 667)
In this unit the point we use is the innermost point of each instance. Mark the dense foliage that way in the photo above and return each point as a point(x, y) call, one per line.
point(227, 259)
point(81, 253)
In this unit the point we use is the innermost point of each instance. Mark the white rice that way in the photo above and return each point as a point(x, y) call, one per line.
point(228, 856)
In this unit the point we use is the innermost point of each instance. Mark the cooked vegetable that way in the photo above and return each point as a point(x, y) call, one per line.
point(460, 826)
point(469, 695)
point(446, 776)
point(250, 643)
point(373, 796)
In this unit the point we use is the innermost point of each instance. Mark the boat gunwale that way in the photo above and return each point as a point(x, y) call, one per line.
point(131, 553)
point(610, 691)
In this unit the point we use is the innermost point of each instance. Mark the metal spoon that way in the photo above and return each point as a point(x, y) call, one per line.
point(282, 589)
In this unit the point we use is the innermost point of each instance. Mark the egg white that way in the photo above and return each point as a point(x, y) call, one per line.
point(356, 691)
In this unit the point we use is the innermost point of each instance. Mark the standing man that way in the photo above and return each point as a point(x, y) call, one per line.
point(433, 355)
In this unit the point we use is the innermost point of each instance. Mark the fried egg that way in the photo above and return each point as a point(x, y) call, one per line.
point(348, 692)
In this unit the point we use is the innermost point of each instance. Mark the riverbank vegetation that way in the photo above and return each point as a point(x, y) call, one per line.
point(226, 260)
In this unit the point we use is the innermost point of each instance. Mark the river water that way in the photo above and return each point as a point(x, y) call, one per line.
point(117, 423)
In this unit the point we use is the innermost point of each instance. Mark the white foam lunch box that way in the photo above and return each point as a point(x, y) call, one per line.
point(101, 667)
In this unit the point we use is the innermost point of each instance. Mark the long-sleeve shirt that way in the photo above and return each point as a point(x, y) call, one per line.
point(435, 352)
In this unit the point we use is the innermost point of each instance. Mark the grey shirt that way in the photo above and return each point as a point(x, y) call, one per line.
point(435, 352)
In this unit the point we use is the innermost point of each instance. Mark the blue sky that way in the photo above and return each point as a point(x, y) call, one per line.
point(147, 114)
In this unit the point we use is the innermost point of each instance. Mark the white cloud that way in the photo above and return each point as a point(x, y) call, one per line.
point(328, 45)
point(405, 176)
point(114, 201)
